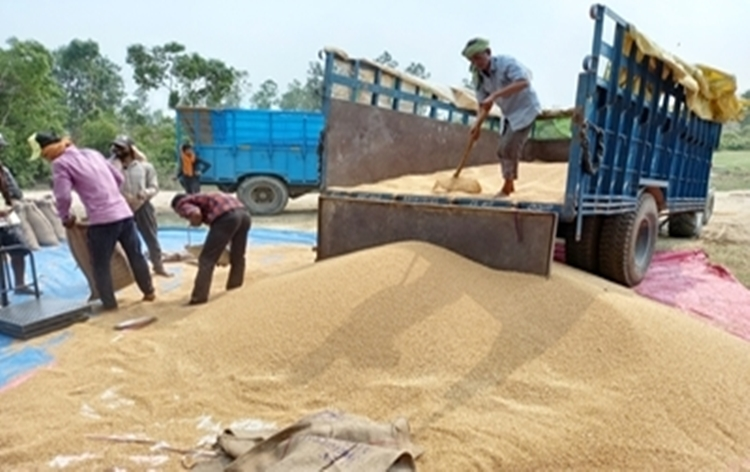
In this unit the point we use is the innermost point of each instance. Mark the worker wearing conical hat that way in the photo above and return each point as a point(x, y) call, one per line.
point(504, 81)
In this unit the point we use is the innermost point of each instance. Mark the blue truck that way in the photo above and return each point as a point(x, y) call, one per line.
point(266, 156)
point(635, 153)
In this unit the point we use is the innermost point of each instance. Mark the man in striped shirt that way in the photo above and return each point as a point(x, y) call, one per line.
point(139, 186)
point(229, 224)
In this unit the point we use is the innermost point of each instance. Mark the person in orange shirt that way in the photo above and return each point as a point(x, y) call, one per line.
point(191, 168)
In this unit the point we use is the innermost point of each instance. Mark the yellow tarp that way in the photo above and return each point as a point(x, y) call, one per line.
point(710, 93)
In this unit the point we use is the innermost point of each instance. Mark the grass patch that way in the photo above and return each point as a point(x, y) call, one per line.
point(731, 170)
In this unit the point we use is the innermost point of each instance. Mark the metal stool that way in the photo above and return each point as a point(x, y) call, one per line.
point(5, 272)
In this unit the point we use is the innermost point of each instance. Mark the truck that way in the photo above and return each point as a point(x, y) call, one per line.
point(636, 152)
point(266, 156)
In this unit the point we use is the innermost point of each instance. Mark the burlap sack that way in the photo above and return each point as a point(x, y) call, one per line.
point(26, 231)
point(333, 441)
point(47, 207)
point(43, 230)
point(122, 275)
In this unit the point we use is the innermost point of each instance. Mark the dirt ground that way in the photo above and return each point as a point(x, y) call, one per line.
point(726, 238)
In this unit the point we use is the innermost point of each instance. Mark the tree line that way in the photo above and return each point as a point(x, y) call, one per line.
point(77, 90)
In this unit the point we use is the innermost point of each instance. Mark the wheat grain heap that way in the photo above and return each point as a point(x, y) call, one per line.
point(492, 369)
point(538, 182)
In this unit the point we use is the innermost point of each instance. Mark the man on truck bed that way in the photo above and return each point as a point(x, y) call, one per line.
point(501, 79)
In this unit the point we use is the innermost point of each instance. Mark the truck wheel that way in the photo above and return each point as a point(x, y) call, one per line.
point(227, 188)
point(584, 254)
point(628, 242)
point(709, 211)
point(263, 195)
point(685, 225)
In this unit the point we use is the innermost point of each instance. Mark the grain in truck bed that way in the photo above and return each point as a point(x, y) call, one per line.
point(537, 182)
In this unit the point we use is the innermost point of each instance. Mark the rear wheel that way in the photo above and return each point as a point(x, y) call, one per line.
point(227, 188)
point(685, 225)
point(584, 254)
point(263, 195)
point(628, 242)
point(709, 211)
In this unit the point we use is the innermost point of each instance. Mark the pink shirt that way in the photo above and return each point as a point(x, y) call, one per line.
point(95, 180)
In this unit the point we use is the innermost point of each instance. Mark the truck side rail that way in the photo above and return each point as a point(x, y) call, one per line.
point(367, 82)
point(634, 129)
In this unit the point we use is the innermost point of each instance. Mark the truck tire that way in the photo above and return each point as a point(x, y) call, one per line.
point(263, 195)
point(227, 188)
point(628, 242)
point(584, 254)
point(709, 211)
point(685, 225)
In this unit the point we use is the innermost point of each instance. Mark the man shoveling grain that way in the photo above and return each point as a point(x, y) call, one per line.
point(229, 223)
point(503, 80)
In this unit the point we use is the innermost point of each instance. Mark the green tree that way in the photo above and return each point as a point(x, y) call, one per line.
point(417, 69)
point(386, 59)
point(98, 133)
point(92, 83)
point(307, 96)
point(267, 95)
point(189, 78)
point(30, 101)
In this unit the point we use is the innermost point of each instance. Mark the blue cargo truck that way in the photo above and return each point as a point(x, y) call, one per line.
point(266, 156)
point(635, 153)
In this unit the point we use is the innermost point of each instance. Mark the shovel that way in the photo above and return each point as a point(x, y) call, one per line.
point(462, 184)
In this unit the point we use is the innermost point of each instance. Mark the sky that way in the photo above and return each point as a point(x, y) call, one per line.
point(277, 39)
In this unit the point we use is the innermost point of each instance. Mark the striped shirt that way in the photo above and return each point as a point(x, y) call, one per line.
point(210, 205)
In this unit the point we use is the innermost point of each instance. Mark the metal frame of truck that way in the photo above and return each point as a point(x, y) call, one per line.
point(633, 156)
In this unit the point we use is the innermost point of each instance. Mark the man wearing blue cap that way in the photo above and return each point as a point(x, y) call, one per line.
point(504, 81)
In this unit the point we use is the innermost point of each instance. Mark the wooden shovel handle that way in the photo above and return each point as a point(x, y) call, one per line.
point(472, 139)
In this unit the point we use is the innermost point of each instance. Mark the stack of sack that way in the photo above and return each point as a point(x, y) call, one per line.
point(40, 225)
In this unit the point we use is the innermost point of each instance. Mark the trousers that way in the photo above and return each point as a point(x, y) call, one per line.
point(145, 221)
point(510, 150)
point(231, 229)
point(101, 241)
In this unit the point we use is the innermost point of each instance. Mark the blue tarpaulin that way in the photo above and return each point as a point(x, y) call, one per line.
point(60, 277)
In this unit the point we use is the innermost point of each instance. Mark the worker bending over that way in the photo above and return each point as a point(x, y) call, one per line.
point(110, 219)
point(229, 223)
point(502, 80)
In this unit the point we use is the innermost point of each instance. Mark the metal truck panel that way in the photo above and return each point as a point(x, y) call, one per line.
point(240, 142)
point(634, 127)
point(629, 129)
point(503, 239)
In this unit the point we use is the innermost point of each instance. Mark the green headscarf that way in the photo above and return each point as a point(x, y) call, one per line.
point(475, 46)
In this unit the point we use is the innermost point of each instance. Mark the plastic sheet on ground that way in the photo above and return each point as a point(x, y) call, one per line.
point(687, 280)
point(60, 277)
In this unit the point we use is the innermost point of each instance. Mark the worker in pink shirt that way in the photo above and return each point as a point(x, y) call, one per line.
point(110, 219)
